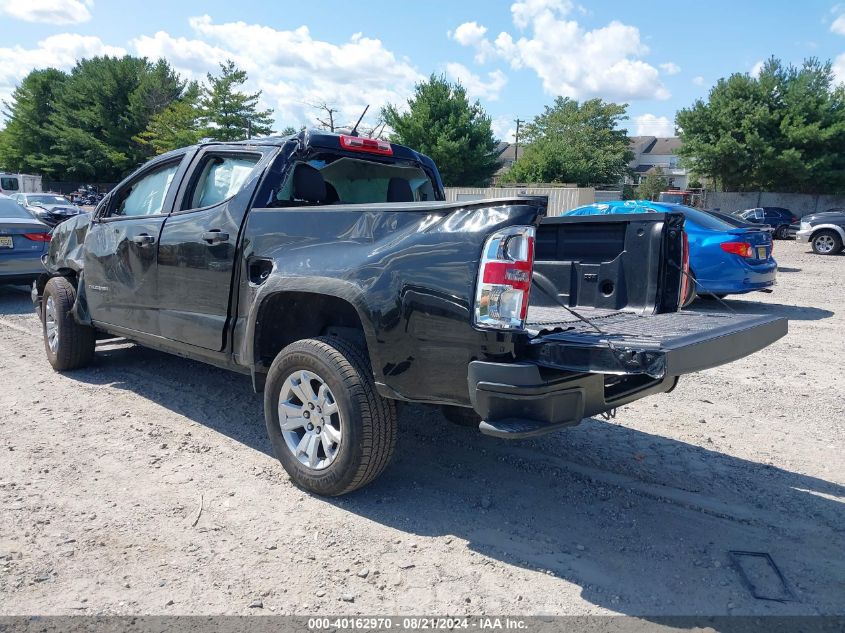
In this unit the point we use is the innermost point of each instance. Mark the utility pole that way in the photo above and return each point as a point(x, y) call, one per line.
point(516, 138)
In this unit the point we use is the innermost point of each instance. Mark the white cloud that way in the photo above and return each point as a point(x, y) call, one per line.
point(57, 51)
point(476, 87)
point(572, 61)
point(670, 68)
point(293, 69)
point(756, 69)
point(698, 80)
point(48, 11)
point(839, 68)
point(525, 11)
point(504, 128)
point(651, 125)
point(468, 33)
point(838, 25)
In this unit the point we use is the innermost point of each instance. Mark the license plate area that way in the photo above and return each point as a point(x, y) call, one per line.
point(6, 241)
point(761, 252)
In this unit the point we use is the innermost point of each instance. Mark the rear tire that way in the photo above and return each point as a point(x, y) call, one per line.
point(692, 291)
point(352, 427)
point(68, 344)
point(782, 232)
point(826, 243)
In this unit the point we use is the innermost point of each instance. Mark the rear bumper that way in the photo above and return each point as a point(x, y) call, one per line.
point(21, 269)
point(518, 400)
point(746, 279)
point(573, 375)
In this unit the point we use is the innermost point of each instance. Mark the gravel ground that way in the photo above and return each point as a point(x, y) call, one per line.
point(145, 485)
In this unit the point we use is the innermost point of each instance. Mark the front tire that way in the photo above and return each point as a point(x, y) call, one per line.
point(330, 429)
point(68, 344)
point(826, 243)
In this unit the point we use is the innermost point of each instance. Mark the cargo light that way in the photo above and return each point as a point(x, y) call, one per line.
point(37, 237)
point(369, 145)
point(504, 280)
point(743, 249)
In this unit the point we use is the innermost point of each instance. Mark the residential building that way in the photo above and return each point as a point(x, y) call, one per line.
point(657, 151)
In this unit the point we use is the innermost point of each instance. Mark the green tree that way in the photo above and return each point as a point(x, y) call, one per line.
point(654, 182)
point(442, 123)
point(781, 131)
point(575, 143)
point(102, 107)
point(230, 115)
point(26, 141)
point(177, 125)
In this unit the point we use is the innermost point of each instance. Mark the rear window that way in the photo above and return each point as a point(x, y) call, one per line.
point(46, 200)
point(11, 209)
point(332, 179)
point(704, 220)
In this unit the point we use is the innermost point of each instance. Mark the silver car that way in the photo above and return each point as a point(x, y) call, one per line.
point(50, 208)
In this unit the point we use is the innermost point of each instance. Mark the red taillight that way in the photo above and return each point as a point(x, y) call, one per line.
point(743, 249)
point(504, 281)
point(685, 275)
point(369, 145)
point(37, 237)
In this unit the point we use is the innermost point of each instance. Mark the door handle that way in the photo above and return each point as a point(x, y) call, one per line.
point(143, 239)
point(215, 236)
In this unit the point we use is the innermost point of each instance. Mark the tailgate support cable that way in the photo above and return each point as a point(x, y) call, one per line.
point(698, 283)
point(614, 351)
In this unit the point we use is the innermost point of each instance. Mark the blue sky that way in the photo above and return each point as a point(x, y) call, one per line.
point(515, 56)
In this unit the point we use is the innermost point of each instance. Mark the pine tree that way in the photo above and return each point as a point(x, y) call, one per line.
point(442, 123)
point(25, 141)
point(231, 115)
point(178, 125)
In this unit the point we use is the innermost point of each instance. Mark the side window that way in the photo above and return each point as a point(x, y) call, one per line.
point(8, 183)
point(145, 196)
point(221, 177)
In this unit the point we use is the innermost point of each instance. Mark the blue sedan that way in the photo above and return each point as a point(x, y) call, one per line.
point(724, 259)
point(23, 240)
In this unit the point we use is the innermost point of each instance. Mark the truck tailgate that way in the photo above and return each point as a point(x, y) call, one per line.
point(669, 344)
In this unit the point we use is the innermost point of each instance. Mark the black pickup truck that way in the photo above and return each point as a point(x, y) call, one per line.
point(331, 269)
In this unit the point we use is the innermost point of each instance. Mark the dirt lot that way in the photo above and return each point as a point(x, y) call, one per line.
point(144, 485)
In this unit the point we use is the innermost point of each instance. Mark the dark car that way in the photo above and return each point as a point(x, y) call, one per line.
point(777, 217)
point(332, 270)
point(824, 231)
point(50, 208)
point(23, 240)
point(731, 219)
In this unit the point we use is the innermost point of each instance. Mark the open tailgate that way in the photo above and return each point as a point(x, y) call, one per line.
point(669, 344)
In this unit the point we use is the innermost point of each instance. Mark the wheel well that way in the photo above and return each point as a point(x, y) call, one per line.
point(286, 317)
point(825, 229)
point(67, 273)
